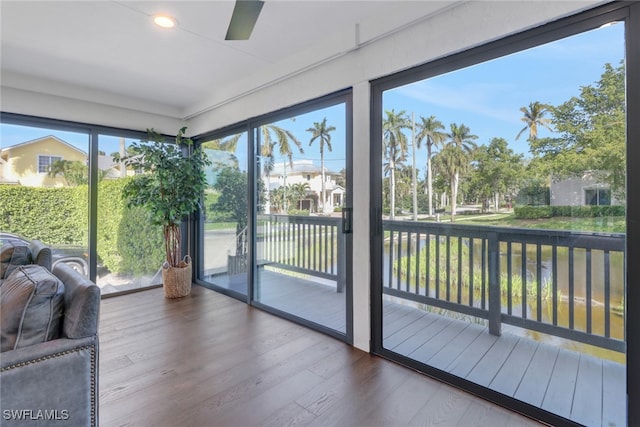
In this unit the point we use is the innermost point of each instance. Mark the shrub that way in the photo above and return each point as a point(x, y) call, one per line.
point(298, 212)
point(533, 212)
point(54, 215)
point(536, 212)
point(126, 243)
point(140, 243)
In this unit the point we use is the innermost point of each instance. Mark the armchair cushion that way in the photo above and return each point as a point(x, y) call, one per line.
point(13, 254)
point(31, 307)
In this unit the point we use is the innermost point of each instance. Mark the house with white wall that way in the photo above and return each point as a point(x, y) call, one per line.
point(306, 172)
point(587, 189)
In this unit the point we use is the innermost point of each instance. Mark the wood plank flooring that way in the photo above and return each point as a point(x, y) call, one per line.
point(209, 360)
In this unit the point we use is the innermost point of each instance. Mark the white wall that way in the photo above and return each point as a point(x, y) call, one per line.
point(361, 265)
point(34, 103)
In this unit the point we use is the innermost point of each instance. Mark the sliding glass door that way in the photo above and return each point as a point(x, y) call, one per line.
point(303, 208)
point(502, 187)
point(276, 219)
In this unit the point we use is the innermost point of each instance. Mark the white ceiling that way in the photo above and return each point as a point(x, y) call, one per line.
point(111, 52)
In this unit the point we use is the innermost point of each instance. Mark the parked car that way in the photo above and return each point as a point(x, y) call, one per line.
point(76, 256)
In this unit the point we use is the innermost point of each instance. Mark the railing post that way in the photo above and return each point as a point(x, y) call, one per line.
point(495, 309)
point(341, 273)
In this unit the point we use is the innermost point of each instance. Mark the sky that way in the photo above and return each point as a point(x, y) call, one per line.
point(486, 97)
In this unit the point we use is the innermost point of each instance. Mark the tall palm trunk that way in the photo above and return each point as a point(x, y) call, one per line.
point(454, 195)
point(392, 188)
point(429, 181)
point(324, 194)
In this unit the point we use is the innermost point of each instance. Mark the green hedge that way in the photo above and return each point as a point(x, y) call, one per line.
point(140, 243)
point(54, 215)
point(298, 212)
point(536, 212)
point(126, 242)
point(533, 212)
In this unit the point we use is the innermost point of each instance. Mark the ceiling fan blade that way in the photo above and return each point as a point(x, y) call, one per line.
point(245, 15)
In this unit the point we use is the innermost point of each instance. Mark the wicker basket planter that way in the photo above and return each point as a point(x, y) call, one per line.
point(176, 281)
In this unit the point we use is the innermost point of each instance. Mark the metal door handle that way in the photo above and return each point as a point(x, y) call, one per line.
point(346, 220)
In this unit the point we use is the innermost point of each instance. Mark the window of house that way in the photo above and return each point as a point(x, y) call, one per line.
point(597, 197)
point(45, 162)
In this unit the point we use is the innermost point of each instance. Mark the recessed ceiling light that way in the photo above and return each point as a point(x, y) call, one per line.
point(164, 21)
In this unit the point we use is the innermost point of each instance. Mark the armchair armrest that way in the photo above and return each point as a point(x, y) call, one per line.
point(41, 254)
point(81, 302)
point(51, 383)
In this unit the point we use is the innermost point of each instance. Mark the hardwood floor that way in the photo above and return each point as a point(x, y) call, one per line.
point(209, 360)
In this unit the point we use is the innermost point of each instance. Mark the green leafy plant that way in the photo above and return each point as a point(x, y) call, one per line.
point(170, 186)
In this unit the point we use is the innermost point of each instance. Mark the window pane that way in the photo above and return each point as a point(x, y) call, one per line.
point(225, 247)
point(301, 249)
point(130, 249)
point(525, 294)
point(51, 204)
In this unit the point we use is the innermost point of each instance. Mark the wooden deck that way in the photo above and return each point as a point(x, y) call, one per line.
point(580, 387)
point(210, 360)
point(315, 300)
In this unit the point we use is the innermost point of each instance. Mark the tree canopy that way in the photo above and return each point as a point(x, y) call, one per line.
point(592, 133)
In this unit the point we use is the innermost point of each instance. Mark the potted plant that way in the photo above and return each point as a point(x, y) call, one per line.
point(170, 187)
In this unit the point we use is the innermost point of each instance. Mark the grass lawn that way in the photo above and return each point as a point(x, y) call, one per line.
point(604, 224)
point(219, 225)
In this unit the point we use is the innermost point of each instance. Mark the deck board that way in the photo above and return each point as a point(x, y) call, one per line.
point(425, 352)
point(559, 396)
point(510, 375)
point(487, 368)
point(587, 400)
point(534, 383)
point(464, 362)
point(613, 404)
point(442, 358)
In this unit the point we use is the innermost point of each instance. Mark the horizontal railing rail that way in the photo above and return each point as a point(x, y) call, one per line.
point(563, 283)
point(304, 244)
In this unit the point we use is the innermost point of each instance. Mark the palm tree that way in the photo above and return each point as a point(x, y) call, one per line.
point(534, 117)
point(429, 132)
point(461, 144)
point(274, 137)
point(395, 148)
point(321, 132)
point(229, 144)
point(299, 191)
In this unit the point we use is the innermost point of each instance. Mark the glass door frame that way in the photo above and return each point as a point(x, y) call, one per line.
point(251, 126)
point(628, 12)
